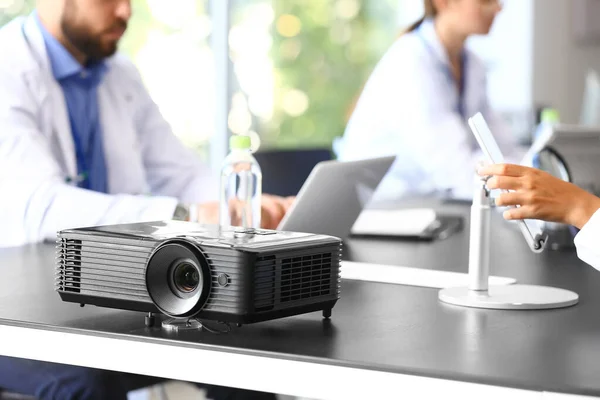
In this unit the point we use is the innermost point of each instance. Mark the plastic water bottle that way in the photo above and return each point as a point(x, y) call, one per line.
point(241, 186)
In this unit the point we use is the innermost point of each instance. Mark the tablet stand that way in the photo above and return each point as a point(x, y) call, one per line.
point(510, 297)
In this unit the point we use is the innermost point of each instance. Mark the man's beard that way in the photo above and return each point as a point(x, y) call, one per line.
point(82, 39)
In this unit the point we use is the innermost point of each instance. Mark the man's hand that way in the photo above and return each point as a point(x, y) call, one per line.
point(208, 213)
point(273, 210)
point(540, 195)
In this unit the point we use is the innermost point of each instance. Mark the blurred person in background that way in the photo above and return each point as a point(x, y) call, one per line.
point(83, 144)
point(416, 103)
point(539, 195)
point(81, 141)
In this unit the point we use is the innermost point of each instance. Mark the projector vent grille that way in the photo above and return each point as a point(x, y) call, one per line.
point(305, 277)
point(101, 270)
point(70, 273)
point(264, 283)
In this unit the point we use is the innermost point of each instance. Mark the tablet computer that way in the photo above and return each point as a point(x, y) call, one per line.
point(531, 229)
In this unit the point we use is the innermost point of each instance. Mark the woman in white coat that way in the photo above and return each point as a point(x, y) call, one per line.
point(418, 98)
point(540, 195)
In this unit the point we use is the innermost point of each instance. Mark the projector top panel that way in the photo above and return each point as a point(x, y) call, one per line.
point(240, 238)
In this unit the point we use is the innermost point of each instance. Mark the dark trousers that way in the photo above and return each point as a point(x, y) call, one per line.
point(48, 381)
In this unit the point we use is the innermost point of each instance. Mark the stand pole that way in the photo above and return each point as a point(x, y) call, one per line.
point(479, 294)
point(479, 241)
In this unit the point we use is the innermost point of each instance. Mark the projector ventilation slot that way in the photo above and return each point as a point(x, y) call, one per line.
point(70, 271)
point(264, 283)
point(305, 277)
point(98, 270)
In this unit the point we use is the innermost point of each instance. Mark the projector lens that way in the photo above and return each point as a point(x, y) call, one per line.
point(186, 277)
point(178, 278)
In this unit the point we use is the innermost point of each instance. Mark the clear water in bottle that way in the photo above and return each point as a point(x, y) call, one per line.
point(241, 186)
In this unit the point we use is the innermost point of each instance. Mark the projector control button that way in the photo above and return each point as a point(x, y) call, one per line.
point(223, 280)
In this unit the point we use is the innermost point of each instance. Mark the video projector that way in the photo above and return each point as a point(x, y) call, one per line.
point(187, 270)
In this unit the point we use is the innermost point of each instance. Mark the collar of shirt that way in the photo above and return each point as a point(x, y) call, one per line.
point(434, 46)
point(432, 40)
point(65, 66)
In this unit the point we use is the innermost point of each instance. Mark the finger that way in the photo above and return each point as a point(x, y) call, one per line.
point(525, 212)
point(270, 220)
point(280, 201)
point(277, 217)
point(503, 170)
point(236, 210)
point(504, 183)
point(275, 201)
point(288, 202)
point(480, 165)
point(266, 219)
point(207, 213)
point(272, 212)
point(272, 204)
point(511, 199)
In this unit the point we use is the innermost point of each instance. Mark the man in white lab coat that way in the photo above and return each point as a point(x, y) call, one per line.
point(540, 195)
point(83, 144)
point(81, 141)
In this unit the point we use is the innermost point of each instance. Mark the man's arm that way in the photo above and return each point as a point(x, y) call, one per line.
point(35, 201)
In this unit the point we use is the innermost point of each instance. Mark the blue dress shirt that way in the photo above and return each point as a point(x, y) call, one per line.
point(80, 87)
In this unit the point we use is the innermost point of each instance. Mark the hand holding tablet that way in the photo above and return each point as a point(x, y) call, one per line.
point(531, 229)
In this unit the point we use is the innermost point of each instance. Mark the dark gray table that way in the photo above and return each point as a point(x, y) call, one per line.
point(382, 338)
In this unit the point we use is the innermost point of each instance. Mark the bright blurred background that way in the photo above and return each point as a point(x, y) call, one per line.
point(287, 72)
point(295, 66)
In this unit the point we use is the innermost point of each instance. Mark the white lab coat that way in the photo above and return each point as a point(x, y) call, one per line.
point(149, 170)
point(587, 242)
point(409, 108)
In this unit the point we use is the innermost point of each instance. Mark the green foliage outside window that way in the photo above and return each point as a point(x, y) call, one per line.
point(329, 60)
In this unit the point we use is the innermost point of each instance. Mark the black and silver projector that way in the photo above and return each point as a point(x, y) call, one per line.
point(186, 270)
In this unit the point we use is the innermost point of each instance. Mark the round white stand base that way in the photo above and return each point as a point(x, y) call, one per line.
point(513, 297)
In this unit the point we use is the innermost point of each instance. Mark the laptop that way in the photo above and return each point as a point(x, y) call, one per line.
point(335, 195)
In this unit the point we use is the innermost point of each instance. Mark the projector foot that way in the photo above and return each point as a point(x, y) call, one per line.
point(327, 313)
point(150, 320)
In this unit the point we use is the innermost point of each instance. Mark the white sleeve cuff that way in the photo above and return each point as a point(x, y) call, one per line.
point(155, 209)
point(587, 241)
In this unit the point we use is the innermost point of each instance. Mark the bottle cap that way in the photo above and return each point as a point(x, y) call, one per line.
point(550, 115)
point(240, 142)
